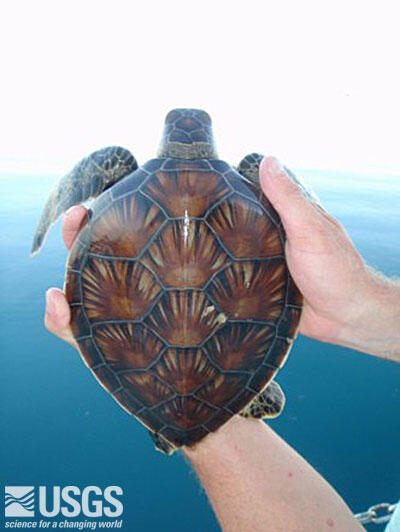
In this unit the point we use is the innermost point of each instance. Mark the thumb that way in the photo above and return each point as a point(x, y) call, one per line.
point(290, 198)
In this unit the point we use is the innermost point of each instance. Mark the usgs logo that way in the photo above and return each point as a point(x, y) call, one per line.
point(69, 501)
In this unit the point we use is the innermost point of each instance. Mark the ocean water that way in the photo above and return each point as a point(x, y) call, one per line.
point(59, 427)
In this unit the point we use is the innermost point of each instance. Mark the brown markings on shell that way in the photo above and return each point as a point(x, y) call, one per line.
point(185, 412)
point(240, 346)
point(251, 290)
point(185, 318)
point(185, 369)
point(244, 229)
point(117, 289)
point(147, 387)
point(185, 254)
point(125, 228)
point(182, 317)
point(221, 389)
point(127, 345)
point(186, 191)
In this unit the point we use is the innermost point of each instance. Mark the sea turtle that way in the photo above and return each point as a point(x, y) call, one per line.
point(181, 300)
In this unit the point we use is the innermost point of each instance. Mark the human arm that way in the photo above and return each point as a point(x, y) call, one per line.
point(256, 482)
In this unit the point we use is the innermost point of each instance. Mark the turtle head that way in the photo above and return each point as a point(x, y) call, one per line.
point(187, 135)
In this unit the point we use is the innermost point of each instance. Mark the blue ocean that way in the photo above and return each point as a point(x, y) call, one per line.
point(60, 428)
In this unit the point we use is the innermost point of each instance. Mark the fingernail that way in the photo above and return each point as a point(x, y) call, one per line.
point(275, 167)
point(306, 189)
point(69, 210)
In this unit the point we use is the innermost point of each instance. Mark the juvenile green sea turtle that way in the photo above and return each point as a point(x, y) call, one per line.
point(181, 300)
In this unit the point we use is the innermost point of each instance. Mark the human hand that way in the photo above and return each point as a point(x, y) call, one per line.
point(58, 315)
point(345, 301)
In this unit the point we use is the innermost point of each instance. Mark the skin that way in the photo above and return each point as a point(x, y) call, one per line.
point(254, 480)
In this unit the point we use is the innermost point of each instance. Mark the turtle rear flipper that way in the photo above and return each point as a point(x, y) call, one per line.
point(268, 403)
point(161, 444)
point(88, 179)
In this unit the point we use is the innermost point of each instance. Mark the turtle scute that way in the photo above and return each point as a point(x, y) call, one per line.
point(124, 229)
point(196, 193)
point(189, 265)
point(127, 346)
point(185, 318)
point(250, 290)
point(181, 300)
point(236, 216)
point(117, 289)
point(185, 369)
point(240, 346)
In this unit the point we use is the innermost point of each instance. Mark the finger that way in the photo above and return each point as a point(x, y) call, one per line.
point(305, 189)
point(282, 190)
point(289, 197)
point(58, 315)
point(74, 219)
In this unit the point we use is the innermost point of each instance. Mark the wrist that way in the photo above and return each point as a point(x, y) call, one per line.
point(375, 327)
point(217, 443)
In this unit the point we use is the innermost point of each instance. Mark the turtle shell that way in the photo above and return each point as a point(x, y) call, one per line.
point(182, 303)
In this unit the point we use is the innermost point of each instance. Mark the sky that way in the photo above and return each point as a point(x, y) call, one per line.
point(315, 83)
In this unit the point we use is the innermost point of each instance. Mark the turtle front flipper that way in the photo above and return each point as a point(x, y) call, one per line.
point(267, 404)
point(88, 179)
point(161, 443)
point(249, 167)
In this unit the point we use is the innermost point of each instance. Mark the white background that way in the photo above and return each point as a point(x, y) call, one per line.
point(315, 83)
